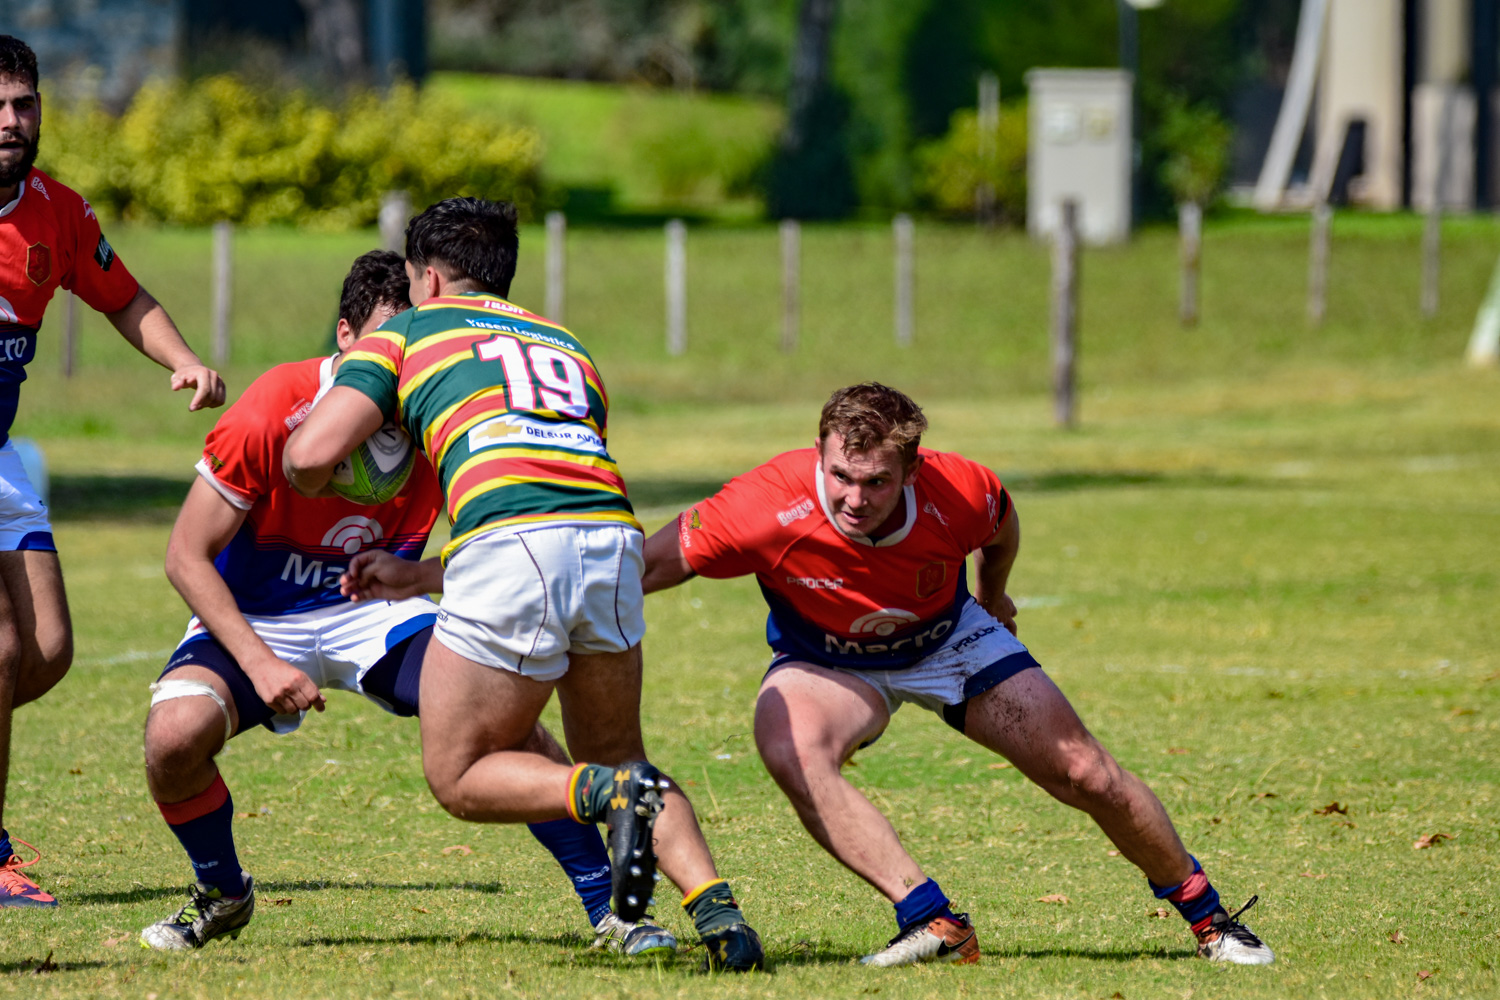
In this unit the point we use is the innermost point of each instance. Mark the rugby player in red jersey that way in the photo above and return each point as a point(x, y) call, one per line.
point(50, 239)
point(859, 545)
point(259, 566)
point(541, 582)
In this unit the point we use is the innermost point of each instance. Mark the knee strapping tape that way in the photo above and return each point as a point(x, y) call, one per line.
point(166, 690)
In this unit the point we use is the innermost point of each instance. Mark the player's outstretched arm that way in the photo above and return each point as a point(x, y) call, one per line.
point(992, 565)
point(666, 566)
point(376, 574)
point(207, 523)
point(148, 328)
point(337, 424)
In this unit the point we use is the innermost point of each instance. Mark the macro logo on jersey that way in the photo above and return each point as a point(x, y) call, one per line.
point(353, 533)
point(509, 409)
point(882, 622)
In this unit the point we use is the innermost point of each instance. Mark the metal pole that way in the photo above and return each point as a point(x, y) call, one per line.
point(791, 283)
point(557, 265)
point(1065, 315)
point(1432, 232)
point(676, 288)
point(1317, 264)
point(223, 282)
point(70, 335)
point(905, 233)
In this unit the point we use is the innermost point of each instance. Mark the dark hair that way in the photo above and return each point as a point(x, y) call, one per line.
point(17, 59)
point(869, 415)
point(377, 278)
point(467, 239)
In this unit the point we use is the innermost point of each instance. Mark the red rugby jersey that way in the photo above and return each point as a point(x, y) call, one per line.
point(288, 555)
point(49, 238)
point(840, 600)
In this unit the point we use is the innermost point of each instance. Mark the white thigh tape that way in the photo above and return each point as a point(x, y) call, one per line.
point(166, 690)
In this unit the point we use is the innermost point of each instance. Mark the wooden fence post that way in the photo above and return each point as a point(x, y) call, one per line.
point(70, 335)
point(1065, 315)
point(905, 233)
point(1432, 231)
point(1190, 233)
point(223, 283)
point(676, 288)
point(557, 265)
point(791, 283)
point(1317, 264)
point(395, 210)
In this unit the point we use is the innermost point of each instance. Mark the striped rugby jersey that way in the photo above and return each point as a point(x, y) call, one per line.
point(507, 406)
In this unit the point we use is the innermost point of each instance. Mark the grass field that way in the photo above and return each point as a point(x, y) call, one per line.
point(1263, 568)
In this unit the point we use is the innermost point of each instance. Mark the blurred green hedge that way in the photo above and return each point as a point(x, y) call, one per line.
point(951, 169)
point(217, 148)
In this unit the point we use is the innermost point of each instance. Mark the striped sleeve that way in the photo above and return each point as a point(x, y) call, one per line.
point(373, 367)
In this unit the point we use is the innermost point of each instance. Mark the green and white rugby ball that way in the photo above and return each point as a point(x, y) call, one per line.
point(376, 470)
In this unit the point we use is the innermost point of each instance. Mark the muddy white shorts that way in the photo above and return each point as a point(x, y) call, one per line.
point(521, 600)
point(24, 524)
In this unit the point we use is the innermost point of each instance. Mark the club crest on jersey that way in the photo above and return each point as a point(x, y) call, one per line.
point(353, 533)
point(38, 263)
point(796, 512)
point(930, 578)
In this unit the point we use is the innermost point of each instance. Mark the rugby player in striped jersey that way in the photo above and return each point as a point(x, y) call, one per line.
point(542, 580)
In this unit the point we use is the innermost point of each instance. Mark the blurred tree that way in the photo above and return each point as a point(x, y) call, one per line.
point(811, 176)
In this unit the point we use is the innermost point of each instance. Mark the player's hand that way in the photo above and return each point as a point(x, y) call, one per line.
point(379, 575)
point(208, 387)
point(1006, 613)
point(284, 687)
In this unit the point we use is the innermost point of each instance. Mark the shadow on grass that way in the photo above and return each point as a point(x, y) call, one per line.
point(264, 891)
point(647, 492)
point(1074, 480)
point(1094, 955)
point(31, 965)
point(457, 940)
point(116, 498)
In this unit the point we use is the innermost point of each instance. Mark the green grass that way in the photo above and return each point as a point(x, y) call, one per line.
point(644, 149)
point(1263, 569)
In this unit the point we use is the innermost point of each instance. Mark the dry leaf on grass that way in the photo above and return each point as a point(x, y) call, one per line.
point(75, 770)
point(1330, 809)
point(285, 901)
point(247, 815)
point(459, 848)
point(1002, 765)
point(1425, 974)
point(1430, 840)
point(1117, 995)
point(1160, 913)
point(1055, 897)
point(113, 941)
point(1267, 795)
point(1458, 710)
point(1310, 875)
point(1397, 937)
point(420, 909)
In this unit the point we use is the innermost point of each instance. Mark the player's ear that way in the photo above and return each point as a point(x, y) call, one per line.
point(911, 472)
point(345, 335)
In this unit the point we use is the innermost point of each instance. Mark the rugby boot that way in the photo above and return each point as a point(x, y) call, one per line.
point(18, 890)
point(205, 916)
point(941, 939)
point(634, 804)
point(644, 937)
point(735, 948)
point(1225, 939)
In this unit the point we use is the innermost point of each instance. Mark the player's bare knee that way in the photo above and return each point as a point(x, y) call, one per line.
point(182, 734)
point(1094, 779)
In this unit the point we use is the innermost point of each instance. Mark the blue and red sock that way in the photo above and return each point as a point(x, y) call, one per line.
point(580, 851)
point(204, 826)
point(922, 905)
point(5, 849)
point(1195, 898)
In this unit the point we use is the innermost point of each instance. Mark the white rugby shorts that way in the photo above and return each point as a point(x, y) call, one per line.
point(981, 654)
point(521, 600)
point(24, 524)
point(334, 646)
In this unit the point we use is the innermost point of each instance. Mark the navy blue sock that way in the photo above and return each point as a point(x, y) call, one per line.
point(5, 849)
point(1196, 898)
point(580, 850)
point(204, 826)
point(921, 905)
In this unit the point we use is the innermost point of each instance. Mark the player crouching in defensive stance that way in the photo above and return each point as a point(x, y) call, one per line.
point(258, 564)
point(859, 545)
point(542, 579)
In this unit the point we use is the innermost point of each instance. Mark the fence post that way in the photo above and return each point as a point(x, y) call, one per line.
point(1065, 314)
point(223, 281)
point(70, 334)
point(791, 283)
point(676, 288)
point(395, 210)
point(557, 265)
point(905, 232)
point(1190, 232)
point(988, 123)
point(1432, 232)
point(1317, 263)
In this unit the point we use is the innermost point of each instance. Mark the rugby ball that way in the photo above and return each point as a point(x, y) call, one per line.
point(376, 470)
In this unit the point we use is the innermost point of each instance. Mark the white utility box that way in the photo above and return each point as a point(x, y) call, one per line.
point(1080, 149)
